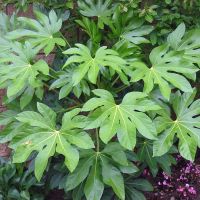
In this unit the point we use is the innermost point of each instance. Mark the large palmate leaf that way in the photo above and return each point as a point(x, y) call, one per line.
point(168, 67)
point(7, 23)
point(187, 43)
point(96, 8)
point(66, 84)
point(43, 33)
point(91, 65)
point(186, 127)
point(21, 73)
point(42, 135)
point(99, 168)
point(122, 119)
point(128, 28)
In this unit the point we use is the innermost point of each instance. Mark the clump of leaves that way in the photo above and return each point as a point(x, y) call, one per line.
point(102, 98)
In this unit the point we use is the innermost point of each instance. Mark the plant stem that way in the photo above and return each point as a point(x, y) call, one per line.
point(64, 38)
point(97, 140)
point(122, 88)
point(51, 69)
point(60, 48)
point(113, 83)
point(68, 109)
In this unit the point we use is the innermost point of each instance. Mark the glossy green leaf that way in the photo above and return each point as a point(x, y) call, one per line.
point(168, 67)
point(21, 73)
point(42, 136)
point(122, 119)
point(185, 127)
point(90, 66)
point(42, 32)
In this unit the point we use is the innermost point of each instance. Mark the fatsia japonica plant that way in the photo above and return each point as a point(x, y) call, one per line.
point(110, 105)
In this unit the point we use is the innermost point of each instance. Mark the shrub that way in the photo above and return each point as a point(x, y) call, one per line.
point(110, 105)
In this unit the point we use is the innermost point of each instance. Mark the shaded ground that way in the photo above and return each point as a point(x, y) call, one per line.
point(183, 184)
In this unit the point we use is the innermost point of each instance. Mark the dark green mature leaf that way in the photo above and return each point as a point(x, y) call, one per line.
point(185, 127)
point(64, 81)
point(122, 119)
point(133, 194)
point(94, 186)
point(112, 177)
point(145, 156)
point(42, 33)
point(129, 28)
point(21, 73)
point(91, 29)
point(42, 136)
point(186, 43)
point(175, 37)
point(91, 65)
point(94, 8)
point(167, 67)
point(99, 168)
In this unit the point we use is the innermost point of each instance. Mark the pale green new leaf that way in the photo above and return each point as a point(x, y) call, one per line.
point(123, 119)
point(42, 32)
point(90, 66)
point(42, 136)
point(168, 68)
point(185, 127)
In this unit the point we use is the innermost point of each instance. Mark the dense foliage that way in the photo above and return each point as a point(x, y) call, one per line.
point(120, 96)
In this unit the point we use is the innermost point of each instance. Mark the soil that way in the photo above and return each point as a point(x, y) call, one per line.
point(183, 184)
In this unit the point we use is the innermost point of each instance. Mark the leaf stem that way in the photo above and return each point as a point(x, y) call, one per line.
point(60, 48)
point(97, 141)
point(122, 88)
point(64, 38)
point(69, 109)
point(113, 83)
